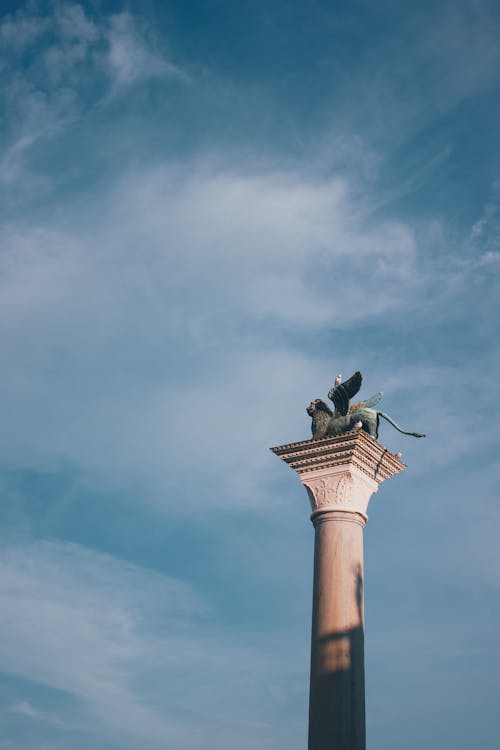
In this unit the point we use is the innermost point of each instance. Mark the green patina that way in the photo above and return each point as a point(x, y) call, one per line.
point(362, 415)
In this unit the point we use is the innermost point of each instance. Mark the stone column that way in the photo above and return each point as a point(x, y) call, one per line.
point(340, 474)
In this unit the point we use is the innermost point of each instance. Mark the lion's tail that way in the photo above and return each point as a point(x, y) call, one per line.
point(397, 427)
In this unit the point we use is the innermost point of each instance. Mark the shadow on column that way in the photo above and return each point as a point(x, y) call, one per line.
point(337, 700)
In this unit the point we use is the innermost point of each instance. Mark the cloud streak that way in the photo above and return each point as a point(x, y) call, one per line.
point(164, 313)
point(57, 61)
point(129, 644)
point(161, 311)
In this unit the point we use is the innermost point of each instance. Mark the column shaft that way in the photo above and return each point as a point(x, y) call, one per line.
point(340, 473)
point(337, 691)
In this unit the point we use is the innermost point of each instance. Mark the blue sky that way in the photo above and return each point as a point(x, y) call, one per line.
point(208, 210)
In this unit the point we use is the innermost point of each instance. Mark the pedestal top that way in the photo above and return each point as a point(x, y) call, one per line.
point(355, 448)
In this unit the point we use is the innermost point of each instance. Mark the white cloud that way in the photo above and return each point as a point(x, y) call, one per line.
point(28, 711)
point(75, 24)
point(21, 29)
point(130, 56)
point(71, 619)
point(161, 316)
point(75, 63)
point(151, 334)
point(484, 234)
point(489, 257)
point(135, 648)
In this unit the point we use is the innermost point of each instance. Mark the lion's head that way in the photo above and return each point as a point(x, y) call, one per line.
point(321, 417)
point(318, 405)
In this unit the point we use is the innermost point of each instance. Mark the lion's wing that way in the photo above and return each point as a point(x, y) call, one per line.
point(341, 394)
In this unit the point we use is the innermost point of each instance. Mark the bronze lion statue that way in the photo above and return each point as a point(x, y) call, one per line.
point(326, 423)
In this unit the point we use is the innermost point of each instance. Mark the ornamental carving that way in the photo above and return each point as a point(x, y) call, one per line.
point(340, 490)
point(329, 491)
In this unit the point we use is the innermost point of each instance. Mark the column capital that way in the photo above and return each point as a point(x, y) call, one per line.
point(340, 473)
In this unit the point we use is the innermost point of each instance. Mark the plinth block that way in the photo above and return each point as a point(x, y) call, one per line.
point(356, 448)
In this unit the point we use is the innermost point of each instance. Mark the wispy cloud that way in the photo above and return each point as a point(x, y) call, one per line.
point(128, 643)
point(162, 291)
point(72, 620)
point(26, 710)
point(485, 232)
point(165, 314)
point(130, 57)
point(58, 62)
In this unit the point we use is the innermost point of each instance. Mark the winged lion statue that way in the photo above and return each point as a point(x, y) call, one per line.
point(327, 423)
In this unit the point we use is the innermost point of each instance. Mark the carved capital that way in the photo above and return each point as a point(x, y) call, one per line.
point(341, 473)
point(340, 488)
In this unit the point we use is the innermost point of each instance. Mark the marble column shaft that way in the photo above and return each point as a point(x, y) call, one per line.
point(340, 475)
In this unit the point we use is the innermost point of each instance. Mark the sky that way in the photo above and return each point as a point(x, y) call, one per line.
point(209, 209)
